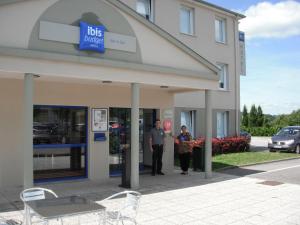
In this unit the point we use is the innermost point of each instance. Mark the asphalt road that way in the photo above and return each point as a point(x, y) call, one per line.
point(285, 171)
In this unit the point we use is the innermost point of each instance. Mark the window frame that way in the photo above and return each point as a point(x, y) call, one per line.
point(151, 16)
point(224, 71)
point(223, 29)
point(191, 22)
point(225, 122)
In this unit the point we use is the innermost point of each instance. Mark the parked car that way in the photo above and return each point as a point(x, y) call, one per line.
point(246, 135)
point(45, 133)
point(287, 139)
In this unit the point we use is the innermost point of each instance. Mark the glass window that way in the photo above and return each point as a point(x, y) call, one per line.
point(186, 20)
point(223, 82)
point(60, 142)
point(59, 125)
point(145, 8)
point(220, 30)
point(222, 124)
point(188, 119)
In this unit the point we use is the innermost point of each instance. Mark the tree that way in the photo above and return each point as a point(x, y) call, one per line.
point(260, 117)
point(253, 116)
point(245, 117)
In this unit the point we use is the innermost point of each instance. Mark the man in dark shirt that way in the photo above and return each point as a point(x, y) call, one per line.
point(156, 142)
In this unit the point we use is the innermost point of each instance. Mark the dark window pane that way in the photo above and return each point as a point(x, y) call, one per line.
point(59, 125)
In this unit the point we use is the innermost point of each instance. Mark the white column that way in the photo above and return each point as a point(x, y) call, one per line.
point(27, 132)
point(135, 100)
point(208, 132)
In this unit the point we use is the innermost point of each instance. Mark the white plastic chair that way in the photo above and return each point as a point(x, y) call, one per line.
point(33, 194)
point(4, 221)
point(127, 211)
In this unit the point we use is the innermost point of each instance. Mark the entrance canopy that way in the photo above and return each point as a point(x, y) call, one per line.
point(45, 35)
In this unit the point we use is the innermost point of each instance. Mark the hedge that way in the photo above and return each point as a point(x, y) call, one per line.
point(261, 131)
point(222, 145)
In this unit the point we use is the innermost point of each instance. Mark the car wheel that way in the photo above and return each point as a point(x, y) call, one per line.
point(297, 150)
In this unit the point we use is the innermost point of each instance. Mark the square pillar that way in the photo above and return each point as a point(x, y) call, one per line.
point(135, 114)
point(208, 132)
point(27, 130)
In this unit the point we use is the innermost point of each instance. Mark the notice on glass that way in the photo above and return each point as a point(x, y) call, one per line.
point(99, 120)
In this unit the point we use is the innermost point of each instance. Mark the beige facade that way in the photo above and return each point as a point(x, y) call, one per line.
point(166, 14)
point(72, 94)
point(160, 67)
point(173, 72)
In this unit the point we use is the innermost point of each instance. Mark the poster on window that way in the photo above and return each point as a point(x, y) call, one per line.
point(167, 125)
point(99, 120)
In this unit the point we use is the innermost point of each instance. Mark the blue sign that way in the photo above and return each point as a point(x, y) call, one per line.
point(91, 37)
point(99, 137)
point(241, 36)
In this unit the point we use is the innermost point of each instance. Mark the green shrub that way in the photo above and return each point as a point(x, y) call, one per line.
point(262, 131)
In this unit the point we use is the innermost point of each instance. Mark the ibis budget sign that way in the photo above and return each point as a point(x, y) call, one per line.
point(91, 37)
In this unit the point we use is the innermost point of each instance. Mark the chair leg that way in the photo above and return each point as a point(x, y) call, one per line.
point(27, 215)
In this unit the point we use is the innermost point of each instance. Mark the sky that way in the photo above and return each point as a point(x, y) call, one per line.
point(272, 30)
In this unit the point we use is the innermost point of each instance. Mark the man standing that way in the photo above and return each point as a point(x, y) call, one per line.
point(156, 143)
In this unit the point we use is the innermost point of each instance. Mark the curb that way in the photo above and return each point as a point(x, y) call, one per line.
point(254, 164)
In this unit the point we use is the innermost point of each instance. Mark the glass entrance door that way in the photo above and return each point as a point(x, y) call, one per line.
point(120, 135)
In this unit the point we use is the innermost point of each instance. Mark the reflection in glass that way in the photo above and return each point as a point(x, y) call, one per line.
point(58, 162)
point(59, 125)
point(60, 141)
point(120, 135)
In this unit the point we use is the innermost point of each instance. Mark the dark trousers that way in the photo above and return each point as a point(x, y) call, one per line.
point(157, 158)
point(184, 159)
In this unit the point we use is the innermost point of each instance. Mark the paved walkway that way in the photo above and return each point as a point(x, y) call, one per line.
point(178, 199)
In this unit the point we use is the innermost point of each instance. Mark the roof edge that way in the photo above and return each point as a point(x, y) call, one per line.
point(239, 15)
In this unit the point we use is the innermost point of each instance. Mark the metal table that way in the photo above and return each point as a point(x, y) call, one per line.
point(59, 208)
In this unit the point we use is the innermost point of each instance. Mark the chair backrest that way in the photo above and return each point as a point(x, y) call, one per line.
point(3, 221)
point(32, 194)
point(131, 204)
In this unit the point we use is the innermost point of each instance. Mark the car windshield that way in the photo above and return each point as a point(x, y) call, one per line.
point(288, 132)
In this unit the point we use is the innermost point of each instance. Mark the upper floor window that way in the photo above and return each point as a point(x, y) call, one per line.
point(186, 20)
point(223, 82)
point(220, 30)
point(145, 8)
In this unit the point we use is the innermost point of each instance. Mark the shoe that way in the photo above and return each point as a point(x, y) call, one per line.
point(182, 173)
point(152, 174)
point(160, 173)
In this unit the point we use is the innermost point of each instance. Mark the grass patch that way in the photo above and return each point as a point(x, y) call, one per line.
point(245, 158)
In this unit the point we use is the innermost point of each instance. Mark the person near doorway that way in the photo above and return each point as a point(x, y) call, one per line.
point(184, 149)
point(156, 142)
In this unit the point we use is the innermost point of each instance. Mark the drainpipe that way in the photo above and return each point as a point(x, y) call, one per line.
point(237, 78)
